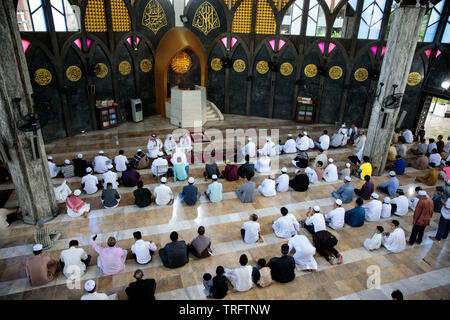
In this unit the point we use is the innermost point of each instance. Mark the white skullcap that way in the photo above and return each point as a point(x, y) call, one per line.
point(343, 125)
point(268, 138)
point(101, 152)
point(330, 160)
point(338, 202)
point(347, 165)
point(387, 200)
point(284, 170)
point(77, 192)
point(392, 173)
point(316, 209)
point(305, 133)
point(79, 156)
point(139, 150)
point(289, 135)
point(347, 178)
point(37, 247)
point(160, 154)
point(374, 195)
point(422, 193)
point(447, 181)
point(50, 158)
point(110, 166)
point(214, 176)
point(88, 169)
point(163, 179)
point(249, 139)
point(191, 180)
point(89, 285)
point(67, 161)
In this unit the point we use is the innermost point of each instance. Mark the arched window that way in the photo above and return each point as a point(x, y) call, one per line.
point(430, 23)
point(345, 21)
point(32, 15)
point(446, 36)
point(316, 25)
point(292, 20)
point(371, 18)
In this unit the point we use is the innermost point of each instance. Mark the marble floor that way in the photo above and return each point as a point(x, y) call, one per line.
point(420, 271)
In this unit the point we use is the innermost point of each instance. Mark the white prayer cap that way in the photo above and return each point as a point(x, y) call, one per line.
point(284, 170)
point(191, 180)
point(214, 176)
point(67, 161)
point(374, 195)
point(139, 150)
point(343, 125)
point(79, 156)
point(347, 178)
point(37, 247)
point(89, 285)
point(347, 165)
point(163, 179)
point(153, 135)
point(110, 166)
point(268, 138)
point(77, 192)
point(422, 193)
point(249, 139)
point(305, 133)
point(101, 152)
point(160, 154)
point(330, 160)
point(387, 200)
point(447, 181)
point(289, 135)
point(316, 209)
point(392, 173)
point(338, 202)
point(88, 169)
point(50, 158)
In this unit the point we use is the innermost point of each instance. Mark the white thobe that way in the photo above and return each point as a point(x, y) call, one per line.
point(374, 242)
point(101, 164)
point(330, 174)
point(408, 135)
point(73, 266)
point(282, 183)
point(360, 141)
point(154, 147)
point(304, 252)
point(373, 210)
point(385, 210)
point(286, 226)
point(121, 162)
point(112, 177)
point(54, 170)
point(170, 146)
point(360, 153)
point(268, 149)
point(303, 143)
point(267, 188)
point(350, 131)
point(142, 249)
point(163, 195)
point(396, 241)
point(402, 205)
point(290, 146)
point(318, 221)
point(312, 175)
point(435, 158)
point(240, 278)
point(340, 138)
point(337, 217)
point(447, 147)
point(90, 183)
point(412, 203)
point(249, 149)
point(263, 164)
point(159, 162)
point(252, 229)
point(186, 143)
point(324, 141)
point(178, 153)
point(311, 143)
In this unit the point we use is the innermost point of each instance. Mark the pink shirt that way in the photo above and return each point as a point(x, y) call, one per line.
point(447, 172)
point(111, 259)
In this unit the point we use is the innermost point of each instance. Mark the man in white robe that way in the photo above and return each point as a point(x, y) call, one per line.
point(269, 148)
point(302, 142)
point(101, 162)
point(335, 219)
point(374, 243)
point(408, 135)
point(186, 142)
point(160, 161)
point(286, 226)
point(395, 241)
point(249, 148)
point(110, 176)
point(170, 145)
point(373, 208)
point(324, 141)
point(311, 142)
point(290, 146)
point(241, 278)
point(178, 153)
point(312, 175)
point(340, 138)
point(401, 203)
point(360, 139)
point(154, 146)
point(304, 253)
point(267, 187)
point(282, 182)
point(330, 174)
point(263, 164)
point(54, 170)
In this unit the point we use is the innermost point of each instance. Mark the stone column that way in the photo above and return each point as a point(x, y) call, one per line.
point(397, 61)
point(178, 8)
point(31, 177)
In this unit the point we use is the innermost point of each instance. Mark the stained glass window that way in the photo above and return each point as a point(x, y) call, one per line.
point(316, 25)
point(292, 20)
point(372, 16)
point(430, 23)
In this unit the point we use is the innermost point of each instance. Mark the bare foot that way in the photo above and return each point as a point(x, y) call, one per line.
point(340, 259)
point(332, 261)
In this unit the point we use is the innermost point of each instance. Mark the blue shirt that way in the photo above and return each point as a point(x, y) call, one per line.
point(345, 192)
point(437, 202)
point(392, 185)
point(179, 171)
point(214, 192)
point(432, 146)
point(399, 166)
point(355, 217)
point(190, 194)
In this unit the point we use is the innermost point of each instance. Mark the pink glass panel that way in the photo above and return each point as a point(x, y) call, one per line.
point(224, 41)
point(374, 50)
point(233, 41)
point(427, 53)
point(383, 50)
point(272, 44)
point(25, 44)
point(438, 53)
point(88, 42)
point(331, 46)
point(78, 42)
point(281, 43)
point(138, 40)
point(129, 41)
point(322, 47)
